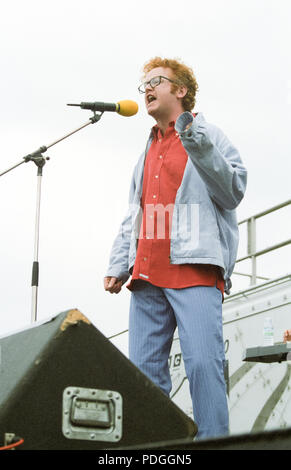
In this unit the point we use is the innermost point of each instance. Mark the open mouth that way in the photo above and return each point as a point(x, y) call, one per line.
point(150, 99)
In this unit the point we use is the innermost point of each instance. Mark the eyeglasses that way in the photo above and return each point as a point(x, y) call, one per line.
point(153, 82)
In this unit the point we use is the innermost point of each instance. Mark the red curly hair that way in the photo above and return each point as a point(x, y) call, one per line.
point(181, 73)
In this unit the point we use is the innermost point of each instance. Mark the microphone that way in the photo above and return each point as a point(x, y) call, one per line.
point(124, 107)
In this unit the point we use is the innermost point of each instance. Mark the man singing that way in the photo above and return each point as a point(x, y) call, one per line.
point(179, 242)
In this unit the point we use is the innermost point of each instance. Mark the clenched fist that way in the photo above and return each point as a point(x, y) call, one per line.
point(112, 284)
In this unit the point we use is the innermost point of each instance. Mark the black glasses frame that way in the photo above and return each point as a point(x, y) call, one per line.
point(151, 82)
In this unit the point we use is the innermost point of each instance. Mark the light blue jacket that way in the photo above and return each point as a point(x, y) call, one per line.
point(204, 225)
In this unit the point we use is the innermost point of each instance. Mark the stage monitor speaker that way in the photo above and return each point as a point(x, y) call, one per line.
point(63, 385)
point(276, 439)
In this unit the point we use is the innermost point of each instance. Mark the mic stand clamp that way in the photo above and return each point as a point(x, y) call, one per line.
point(37, 157)
point(96, 117)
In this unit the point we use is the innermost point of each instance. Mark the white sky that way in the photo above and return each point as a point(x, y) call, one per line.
point(68, 51)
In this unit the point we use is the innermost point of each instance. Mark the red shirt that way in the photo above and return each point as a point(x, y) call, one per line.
point(163, 173)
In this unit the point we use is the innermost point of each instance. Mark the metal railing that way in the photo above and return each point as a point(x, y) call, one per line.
point(252, 252)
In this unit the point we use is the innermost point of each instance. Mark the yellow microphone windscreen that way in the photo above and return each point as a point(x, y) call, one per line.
point(127, 107)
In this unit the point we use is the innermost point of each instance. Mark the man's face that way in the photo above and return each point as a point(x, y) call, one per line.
point(160, 101)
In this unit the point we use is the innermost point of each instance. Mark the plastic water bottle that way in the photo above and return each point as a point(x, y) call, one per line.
point(268, 332)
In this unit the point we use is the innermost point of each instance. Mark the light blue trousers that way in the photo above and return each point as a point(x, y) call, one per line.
point(197, 311)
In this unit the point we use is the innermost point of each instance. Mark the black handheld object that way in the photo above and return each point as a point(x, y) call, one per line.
point(124, 107)
point(98, 106)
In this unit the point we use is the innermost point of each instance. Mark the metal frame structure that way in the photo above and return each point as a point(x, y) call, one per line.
point(252, 252)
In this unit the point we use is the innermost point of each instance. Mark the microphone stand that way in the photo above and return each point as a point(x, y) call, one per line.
point(37, 158)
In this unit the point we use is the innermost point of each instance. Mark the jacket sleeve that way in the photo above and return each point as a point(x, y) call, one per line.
point(215, 158)
point(118, 260)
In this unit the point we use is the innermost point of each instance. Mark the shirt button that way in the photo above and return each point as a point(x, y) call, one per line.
point(156, 176)
point(145, 258)
point(161, 156)
point(154, 196)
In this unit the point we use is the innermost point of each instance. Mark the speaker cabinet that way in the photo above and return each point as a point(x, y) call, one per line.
point(63, 385)
point(276, 439)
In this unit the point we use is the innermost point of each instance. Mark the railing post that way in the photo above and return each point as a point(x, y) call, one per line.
point(252, 248)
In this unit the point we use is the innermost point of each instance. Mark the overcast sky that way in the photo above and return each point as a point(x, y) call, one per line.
point(68, 51)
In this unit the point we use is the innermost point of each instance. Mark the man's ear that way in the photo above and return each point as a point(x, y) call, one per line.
point(181, 91)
